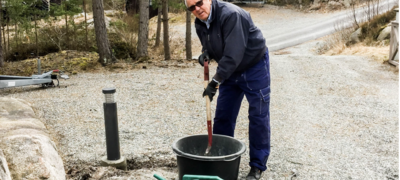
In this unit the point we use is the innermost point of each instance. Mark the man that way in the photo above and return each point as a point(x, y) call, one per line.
point(228, 35)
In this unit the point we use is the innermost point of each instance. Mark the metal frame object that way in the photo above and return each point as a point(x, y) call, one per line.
point(45, 79)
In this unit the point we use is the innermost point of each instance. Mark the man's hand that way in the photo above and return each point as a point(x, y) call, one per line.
point(211, 90)
point(204, 56)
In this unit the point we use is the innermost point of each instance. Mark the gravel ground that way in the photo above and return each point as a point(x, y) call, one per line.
point(332, 117)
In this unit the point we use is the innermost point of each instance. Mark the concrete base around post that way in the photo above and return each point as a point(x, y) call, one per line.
point(119, 164)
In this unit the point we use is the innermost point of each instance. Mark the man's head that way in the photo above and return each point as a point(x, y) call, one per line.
point(200, 8)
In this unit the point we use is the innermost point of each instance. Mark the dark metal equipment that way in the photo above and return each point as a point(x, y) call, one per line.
point(111, 124)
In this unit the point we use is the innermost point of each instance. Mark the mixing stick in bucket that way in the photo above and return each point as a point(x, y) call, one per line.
point(208, 109)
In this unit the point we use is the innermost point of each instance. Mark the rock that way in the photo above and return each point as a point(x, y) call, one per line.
point(385, 33)
point(107, 21)
point(12, 108)
point(79, 15)
point(182, 65)
point(30, 153)
point(333, 5)
point(99, 173)
point(355, 36)
point(4, 172)
point(346, 3)
point(315, 7)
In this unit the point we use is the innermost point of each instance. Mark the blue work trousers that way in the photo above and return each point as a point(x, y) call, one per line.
point(253, 83)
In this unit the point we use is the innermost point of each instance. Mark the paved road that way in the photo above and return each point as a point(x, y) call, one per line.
point(322, 27)
point(284, 28)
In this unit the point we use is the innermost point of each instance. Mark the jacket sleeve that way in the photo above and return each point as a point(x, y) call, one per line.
point(235, 32)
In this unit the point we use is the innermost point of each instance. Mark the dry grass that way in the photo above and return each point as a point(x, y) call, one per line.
point(370, 30)
point(339, 42)
point(336, 42)
point(378, 53)
point(281, 52)
point(70, 62)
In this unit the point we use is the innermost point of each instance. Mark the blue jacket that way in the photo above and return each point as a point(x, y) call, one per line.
point(232, 39)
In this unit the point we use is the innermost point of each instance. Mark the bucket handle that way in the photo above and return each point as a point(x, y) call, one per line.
point(182, 154)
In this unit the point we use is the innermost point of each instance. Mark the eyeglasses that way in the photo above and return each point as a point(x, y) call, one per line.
point(198, 4)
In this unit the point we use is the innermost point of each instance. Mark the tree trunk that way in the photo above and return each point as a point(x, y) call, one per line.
point(8, 37)
point(4, 40)
point(4, 37)
point(66, 30)
point(101, 33)
point(86, 26)
point(188, 35)
point(1, 44)
point(16, 35)
point(143, 28)
point(73, 46)
point(36, 39)
point(158, 26)
point(166, 33)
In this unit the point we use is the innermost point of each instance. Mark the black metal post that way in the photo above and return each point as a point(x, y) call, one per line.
point(111, 125)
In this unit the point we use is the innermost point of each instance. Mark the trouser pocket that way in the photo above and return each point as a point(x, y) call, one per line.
point(258, 76)
point(264, 100)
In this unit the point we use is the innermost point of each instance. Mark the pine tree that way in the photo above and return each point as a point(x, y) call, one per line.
point(167, 53)
point(1, 44)
point(101, 33)
point(158, 24)
point(143, 28)
point(188, 35)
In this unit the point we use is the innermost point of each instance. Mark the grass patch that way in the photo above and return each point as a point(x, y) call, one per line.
point(70, 62)
point(370, 30)
point(339, 42)
point(336, 42)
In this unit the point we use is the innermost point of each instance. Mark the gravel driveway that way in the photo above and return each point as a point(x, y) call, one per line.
point(332, 117)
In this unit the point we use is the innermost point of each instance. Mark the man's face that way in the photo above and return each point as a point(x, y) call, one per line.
point(201, 12)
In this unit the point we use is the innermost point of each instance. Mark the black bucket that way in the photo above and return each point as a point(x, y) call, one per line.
point(223, 159)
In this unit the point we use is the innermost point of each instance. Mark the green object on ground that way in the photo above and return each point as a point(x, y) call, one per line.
point(199, 177)
point(158, 177)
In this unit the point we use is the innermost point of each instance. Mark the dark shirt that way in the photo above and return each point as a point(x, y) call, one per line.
point(232, 39)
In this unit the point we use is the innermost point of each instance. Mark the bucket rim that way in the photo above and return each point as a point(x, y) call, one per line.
point(229, 157)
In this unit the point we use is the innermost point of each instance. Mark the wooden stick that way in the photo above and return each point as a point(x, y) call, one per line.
point(208, 108)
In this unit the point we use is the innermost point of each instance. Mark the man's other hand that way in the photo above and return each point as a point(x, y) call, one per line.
point(204, 56)
point(211, 90)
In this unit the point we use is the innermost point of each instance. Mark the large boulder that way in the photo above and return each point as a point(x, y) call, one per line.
point(4, 172)
point(26, 145)
point(355, 36)
point(315, 7)
point(385, 33)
